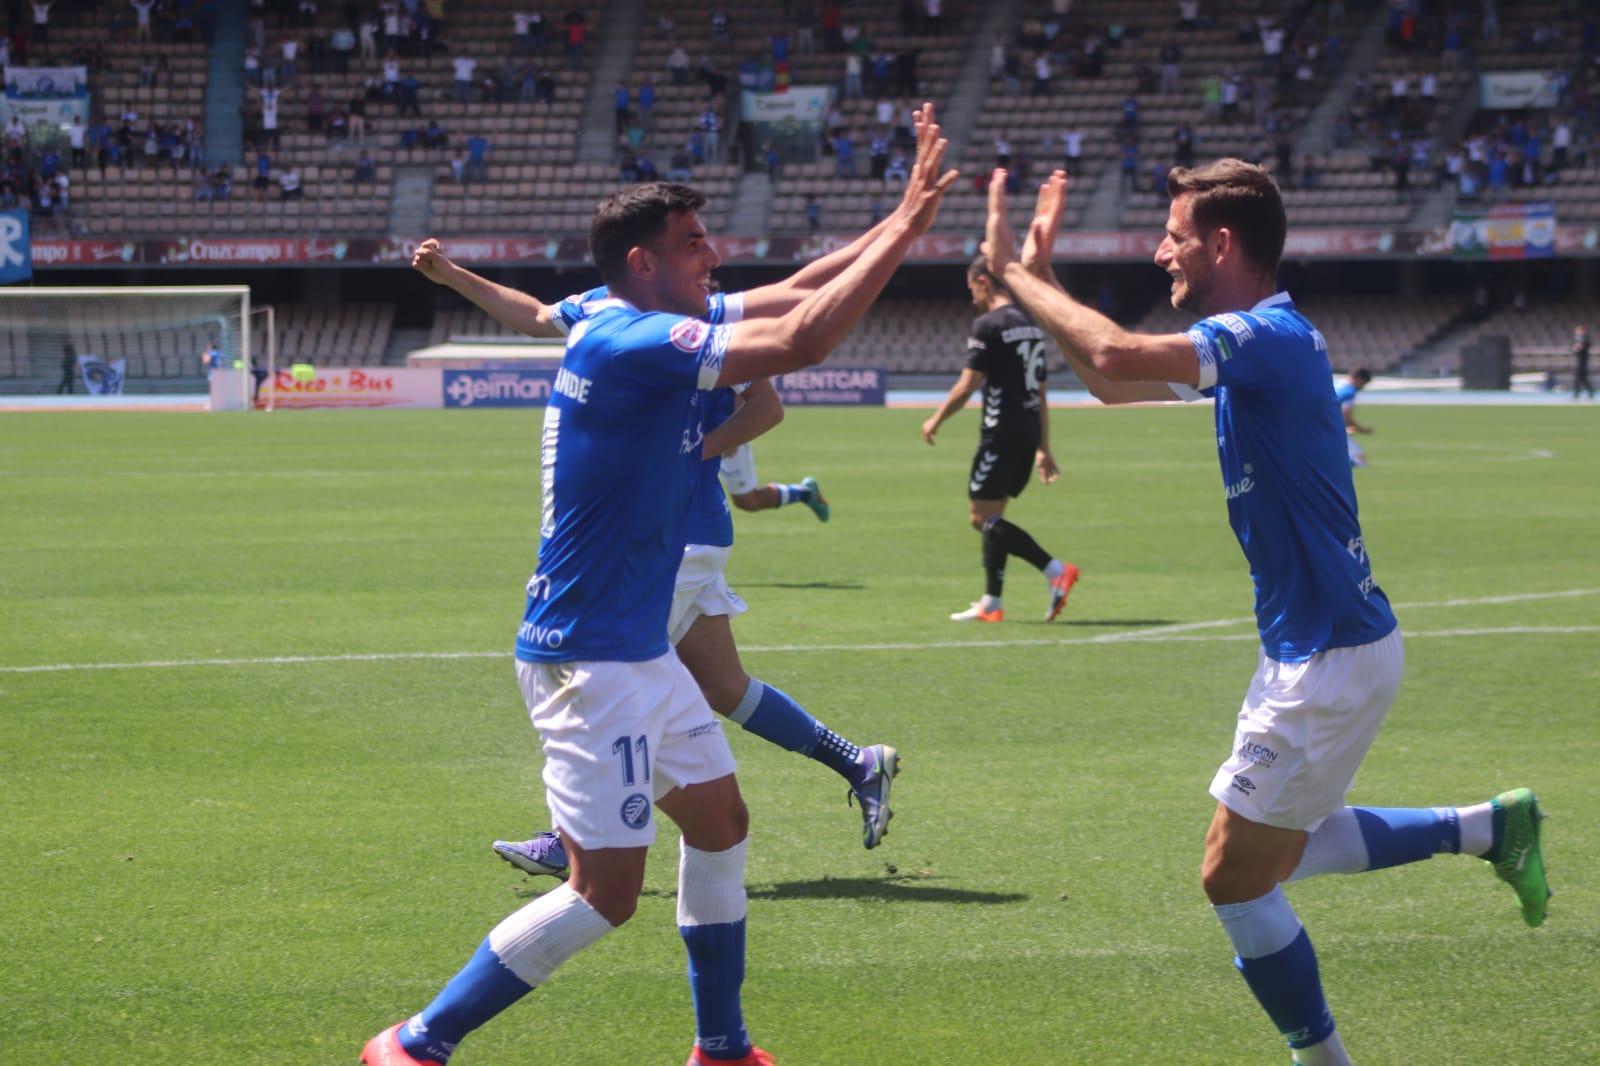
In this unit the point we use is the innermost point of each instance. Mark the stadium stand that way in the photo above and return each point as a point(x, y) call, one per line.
point(1325, 98)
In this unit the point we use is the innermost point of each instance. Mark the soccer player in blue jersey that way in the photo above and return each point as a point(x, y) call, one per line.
point(1359, 379)
point(623, 726)
point(1331, 656)
point(703, 604)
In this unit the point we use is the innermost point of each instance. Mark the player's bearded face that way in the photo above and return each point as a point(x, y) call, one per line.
point(1183, 255)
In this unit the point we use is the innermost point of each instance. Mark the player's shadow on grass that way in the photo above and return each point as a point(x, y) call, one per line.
point(832, 586)
point(892, 888)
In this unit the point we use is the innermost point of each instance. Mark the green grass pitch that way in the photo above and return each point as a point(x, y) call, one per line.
point(260, 724)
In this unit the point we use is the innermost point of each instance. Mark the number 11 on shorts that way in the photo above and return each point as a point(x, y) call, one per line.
point(624, 748)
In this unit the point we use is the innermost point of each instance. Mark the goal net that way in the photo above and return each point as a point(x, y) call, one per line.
point(157, 339)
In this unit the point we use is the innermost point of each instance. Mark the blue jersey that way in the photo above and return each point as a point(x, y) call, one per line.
point(619, 453)
point(1286, 475)
point(1345, 394)
point(710, 521)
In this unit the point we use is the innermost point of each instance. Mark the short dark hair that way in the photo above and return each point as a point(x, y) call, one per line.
point(979, 268)
point(1241, 196)
point(1361, 374)
point(634, 216)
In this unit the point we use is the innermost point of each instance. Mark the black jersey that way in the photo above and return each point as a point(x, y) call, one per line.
point(1009, 351)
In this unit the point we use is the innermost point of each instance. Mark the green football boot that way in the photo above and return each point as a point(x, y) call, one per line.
point(1516, 856)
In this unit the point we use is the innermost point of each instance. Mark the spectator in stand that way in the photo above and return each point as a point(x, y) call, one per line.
point(341, 45)
point(77, 137)
point(478, 149)
point(434, 135)
point(263, 178)
point(679, 166)
point(844, 154)
point(1188, 14)
point(678, 66)
point(577, 30)
point(367, 38)
point(1041, 74)
point(357, 109)
point(269, 116)
point(1130, 116)
point(1072, 151)
point(1309, 177)
point(252, 66)
point(721, 28)
point(1171, 69)
point(409, 91)
point(711, 126)
point(316, 109)
point(289, 69)
point(933, 20)
point(465, 68)
point(289, 185)
point(646, 96)
point(222, 183)
point(1128, 163)
point(852, 76)
point(141, 29)
point(813, 213)
point(365, 169)
point(622, 97)
point(522, 33)
point(897, 168)
point(1183, 140)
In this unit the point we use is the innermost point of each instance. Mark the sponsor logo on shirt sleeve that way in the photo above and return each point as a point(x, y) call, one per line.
point(689, 334)
point(713, 354)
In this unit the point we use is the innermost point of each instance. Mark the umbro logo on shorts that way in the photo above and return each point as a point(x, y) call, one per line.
point(1243, 784)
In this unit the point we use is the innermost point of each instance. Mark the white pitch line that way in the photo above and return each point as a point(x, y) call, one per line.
point(1162, 636)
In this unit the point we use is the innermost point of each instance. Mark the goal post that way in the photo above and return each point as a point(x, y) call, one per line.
point(111, 339)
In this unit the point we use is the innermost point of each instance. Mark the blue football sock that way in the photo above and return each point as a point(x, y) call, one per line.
point(1278, 963)
point(1395, 836)
point(711, 920)
point(788, 494)
point(716, 972)
point(773, 715)
point(482, 989)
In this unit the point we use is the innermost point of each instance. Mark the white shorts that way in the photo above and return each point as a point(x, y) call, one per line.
point(1303, 731)
point(701, 589)
point(617, 737)
point(739, 470)
point(1357, 456)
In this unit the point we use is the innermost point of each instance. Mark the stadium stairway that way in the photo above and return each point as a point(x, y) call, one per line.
point(613, 57)
point(403, 342)
point(959, 116)
point(411, 203)
point(1316, 136)
point(752, 203)
point(225, 88)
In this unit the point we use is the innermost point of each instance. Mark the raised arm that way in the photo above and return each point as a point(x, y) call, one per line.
point(507, 306)
point(783, 296)
point(1115, 364)
point(764, 347)
point(759, 410)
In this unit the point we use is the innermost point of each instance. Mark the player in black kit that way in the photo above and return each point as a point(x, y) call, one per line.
point(1006, 358)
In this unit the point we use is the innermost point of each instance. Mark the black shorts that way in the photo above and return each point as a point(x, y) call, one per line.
point(1001, 468)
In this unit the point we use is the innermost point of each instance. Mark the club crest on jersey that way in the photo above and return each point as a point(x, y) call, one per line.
point(635, 811)
point(690, 334)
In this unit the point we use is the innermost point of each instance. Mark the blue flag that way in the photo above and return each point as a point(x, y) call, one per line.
point(16, 248)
